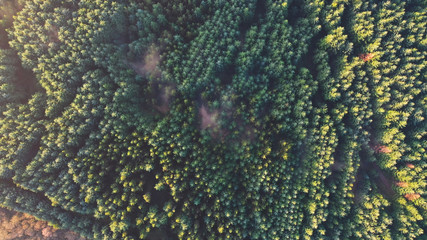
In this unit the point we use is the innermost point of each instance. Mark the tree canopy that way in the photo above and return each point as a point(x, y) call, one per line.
point(214, 119)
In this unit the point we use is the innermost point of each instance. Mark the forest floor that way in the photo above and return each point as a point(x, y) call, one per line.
point(21, 226)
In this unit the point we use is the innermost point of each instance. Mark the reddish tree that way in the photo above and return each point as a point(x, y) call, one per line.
point(402, 184)
point(410, 165)
point(412, 196)
point(366, 56)
point(381, 149)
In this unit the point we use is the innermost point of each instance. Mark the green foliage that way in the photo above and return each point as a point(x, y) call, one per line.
point(210, 119)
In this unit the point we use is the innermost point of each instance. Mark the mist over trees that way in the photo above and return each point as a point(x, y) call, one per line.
point(214, 119)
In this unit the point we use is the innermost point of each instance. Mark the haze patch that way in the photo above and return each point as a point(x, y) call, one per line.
point(148, 64)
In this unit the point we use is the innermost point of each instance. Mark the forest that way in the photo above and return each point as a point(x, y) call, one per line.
point(216, 119)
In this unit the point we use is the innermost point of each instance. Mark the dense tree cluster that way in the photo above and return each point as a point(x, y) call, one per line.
point(212, 119)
